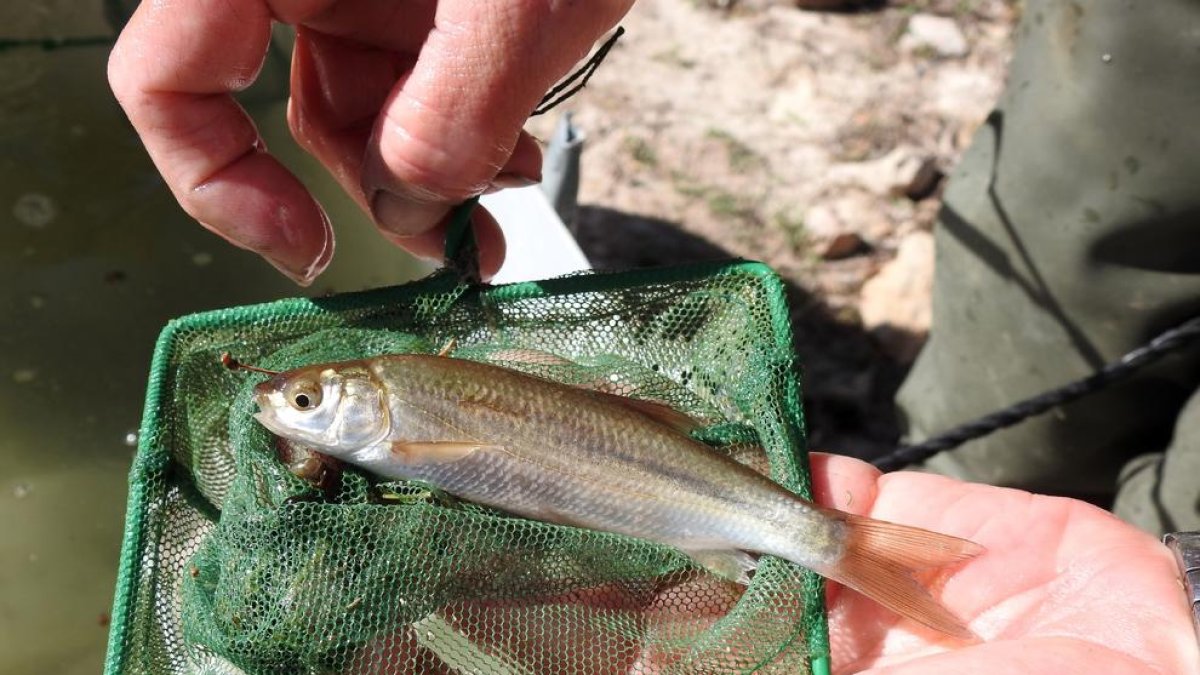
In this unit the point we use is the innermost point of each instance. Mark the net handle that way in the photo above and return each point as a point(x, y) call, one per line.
point(462, 251)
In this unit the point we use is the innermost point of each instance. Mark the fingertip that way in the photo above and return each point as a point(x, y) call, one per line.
point(309, 274)
point(431, 244)
point(843, 483)
point(256, 204)
point(524, 166)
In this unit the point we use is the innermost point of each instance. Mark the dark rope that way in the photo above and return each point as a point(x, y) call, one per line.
point(1170, 341)
point(561, 92)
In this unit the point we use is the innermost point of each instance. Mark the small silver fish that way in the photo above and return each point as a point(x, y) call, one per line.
point(586, 458)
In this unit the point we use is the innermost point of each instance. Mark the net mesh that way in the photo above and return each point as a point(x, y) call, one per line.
point(233, 564)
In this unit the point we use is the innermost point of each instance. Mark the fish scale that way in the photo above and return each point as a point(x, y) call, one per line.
point(611, 468)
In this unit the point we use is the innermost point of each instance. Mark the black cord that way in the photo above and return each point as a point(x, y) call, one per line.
point(1170, 341)
point(557, 95)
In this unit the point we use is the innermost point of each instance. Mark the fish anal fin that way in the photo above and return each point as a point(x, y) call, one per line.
point(422, 452)
point(730, 564)
point(891, 564)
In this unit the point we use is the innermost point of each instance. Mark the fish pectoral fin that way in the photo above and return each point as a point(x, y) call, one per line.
point(431, 452)
point(730, 564)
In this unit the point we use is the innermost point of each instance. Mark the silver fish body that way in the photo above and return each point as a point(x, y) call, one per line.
point(574, 456)
point(565, 455)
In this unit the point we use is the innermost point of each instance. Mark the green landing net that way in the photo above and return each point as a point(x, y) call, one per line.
point(232, 564)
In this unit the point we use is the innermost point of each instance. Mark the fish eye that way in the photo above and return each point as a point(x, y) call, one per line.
point(304, 395)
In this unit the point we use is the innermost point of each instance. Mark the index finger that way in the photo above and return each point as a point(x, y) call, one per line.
point(174, 70)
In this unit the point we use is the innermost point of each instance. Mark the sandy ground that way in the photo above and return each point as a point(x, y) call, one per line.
point(759, 130)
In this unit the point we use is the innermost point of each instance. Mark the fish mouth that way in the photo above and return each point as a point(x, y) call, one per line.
point(264, 392)
point(268, 420)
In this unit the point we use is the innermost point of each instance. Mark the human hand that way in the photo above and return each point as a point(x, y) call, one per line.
point(412, 105)
point(1064, 587)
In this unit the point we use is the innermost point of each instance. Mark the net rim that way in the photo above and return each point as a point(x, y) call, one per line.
point(152, 459)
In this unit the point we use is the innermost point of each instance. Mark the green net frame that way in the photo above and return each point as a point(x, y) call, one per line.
point(230, 564)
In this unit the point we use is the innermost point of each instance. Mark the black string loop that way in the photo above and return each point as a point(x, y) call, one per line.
point(1170, 341)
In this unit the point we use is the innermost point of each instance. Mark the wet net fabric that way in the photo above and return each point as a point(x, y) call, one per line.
point(232, 564)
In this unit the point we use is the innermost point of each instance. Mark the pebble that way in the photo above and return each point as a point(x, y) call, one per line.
point(844, 245)
point(896, 304)
point(938, 33)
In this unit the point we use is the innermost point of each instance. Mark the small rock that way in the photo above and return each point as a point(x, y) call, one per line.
point(836, 226)
point(823, 222)
point(843, 245)
point(937, 33)
point(888, 176)
point(924, 183)
point(896, 304)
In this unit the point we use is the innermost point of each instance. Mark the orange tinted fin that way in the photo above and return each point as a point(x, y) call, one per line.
point(434, 453)
point(532, 356)
point(449, 348)
point(882, 560)
point(733, 565)
point(660, 412)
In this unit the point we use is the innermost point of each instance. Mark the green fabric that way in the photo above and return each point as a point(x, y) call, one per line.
point(231, 564)
point(1068, 237)
point(1159, 490)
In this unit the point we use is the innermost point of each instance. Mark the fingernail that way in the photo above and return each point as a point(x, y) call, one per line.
point(505, 181)
point(304, 273)
point(405, 217)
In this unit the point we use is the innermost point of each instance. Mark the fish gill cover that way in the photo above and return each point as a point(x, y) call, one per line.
point(232, 564)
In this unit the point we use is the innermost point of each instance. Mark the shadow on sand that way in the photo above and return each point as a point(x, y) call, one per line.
point(849, 383)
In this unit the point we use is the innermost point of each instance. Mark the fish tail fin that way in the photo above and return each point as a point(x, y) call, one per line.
point(883, 560)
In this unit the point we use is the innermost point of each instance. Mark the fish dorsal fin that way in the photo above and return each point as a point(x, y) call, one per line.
point(659, 412)
point(655, 410)
point(432, 452)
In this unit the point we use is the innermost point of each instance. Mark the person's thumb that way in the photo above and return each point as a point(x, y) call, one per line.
point(452, 129)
